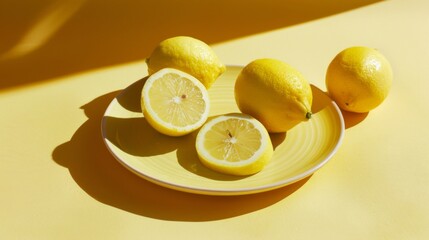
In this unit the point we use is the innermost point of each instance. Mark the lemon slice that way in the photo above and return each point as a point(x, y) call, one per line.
point(236, 144)
point(174, 102)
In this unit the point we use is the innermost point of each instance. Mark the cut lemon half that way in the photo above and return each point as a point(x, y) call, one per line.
point(174, 103)
point(236, 144)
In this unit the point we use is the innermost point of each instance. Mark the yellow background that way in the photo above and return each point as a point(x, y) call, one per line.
point(63, 61)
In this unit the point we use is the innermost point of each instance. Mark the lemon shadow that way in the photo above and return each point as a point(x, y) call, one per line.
point(68, 37)
point(322, 99)
point(130, 99)
point(277, 139)
point(352, 119)
point(136, 137)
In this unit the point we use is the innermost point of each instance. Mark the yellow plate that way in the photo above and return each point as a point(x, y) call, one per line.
point(173, 162)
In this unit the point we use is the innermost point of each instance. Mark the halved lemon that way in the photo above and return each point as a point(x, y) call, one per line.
point(174, 102)
point(236, 144)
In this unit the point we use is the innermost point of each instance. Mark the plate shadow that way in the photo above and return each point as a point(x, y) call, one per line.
point(103, 178)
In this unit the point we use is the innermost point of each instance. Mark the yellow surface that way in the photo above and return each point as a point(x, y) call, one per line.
point(62, 62)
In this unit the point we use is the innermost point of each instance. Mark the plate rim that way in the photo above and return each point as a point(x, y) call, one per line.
point(220, 191)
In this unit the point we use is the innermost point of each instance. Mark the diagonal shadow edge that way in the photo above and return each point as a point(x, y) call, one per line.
point(101, 33)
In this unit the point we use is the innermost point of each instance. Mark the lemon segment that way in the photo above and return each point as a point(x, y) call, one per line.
point(359, 79)
point(236, 144)
point(274, 93)
point(187, 54)
point(174, 103)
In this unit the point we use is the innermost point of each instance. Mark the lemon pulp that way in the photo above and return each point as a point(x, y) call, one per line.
point(238, 142)
point(174, 103)
point(234, 144)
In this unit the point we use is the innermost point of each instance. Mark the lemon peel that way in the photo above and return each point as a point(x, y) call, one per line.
point(275, 93)
point(189, 55)
point(359, 79)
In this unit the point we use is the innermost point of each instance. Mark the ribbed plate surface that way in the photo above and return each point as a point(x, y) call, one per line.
point(173, 162)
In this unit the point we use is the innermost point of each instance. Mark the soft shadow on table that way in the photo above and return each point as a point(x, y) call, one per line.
point(321, 99)
point(52, 38)
point(96, 171)
point(352, 119)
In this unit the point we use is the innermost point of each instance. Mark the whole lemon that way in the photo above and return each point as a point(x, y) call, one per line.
point(358, 79)
point(274, 93)
point(189, 55)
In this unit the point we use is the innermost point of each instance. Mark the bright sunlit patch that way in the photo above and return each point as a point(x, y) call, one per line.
point(50, 21)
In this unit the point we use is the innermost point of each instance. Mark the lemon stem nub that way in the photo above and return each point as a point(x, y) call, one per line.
point(308, 115)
